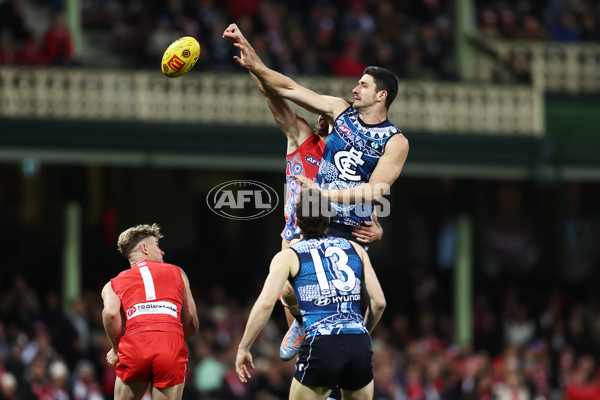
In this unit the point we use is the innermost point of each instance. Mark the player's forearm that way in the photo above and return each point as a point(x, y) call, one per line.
point(373, 315)
point(256, 322)
point(272, 80)
point(360, 194)
point(190, 326)
point(112, 326)
point(258, 84)
point(374, 311)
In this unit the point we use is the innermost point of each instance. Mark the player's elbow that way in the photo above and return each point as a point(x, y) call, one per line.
point(191, 328)
point(263, 305)
point(110, 315)
point(378, 304)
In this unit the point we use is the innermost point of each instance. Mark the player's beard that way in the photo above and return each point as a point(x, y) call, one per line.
point(322, 131)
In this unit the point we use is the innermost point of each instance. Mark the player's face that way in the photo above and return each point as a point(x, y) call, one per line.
point(154, 251)
point(364, 93)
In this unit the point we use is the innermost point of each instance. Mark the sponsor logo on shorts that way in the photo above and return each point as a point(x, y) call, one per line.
point(325, 301)
point(156, 307)
point(242, 199)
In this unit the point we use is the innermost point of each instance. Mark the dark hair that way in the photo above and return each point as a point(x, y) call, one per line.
point(384, 80)
point(312, 213)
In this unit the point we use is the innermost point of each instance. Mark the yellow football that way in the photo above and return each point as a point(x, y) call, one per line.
point(180, 57)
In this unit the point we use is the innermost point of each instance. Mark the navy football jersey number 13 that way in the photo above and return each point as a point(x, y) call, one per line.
point(328, 286)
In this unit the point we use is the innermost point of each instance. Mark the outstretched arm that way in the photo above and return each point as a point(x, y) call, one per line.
point(294, 127)
point(280, 84)
point(280, 269)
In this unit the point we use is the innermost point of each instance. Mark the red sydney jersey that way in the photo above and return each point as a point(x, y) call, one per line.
point(151, 295)
point(305, 161)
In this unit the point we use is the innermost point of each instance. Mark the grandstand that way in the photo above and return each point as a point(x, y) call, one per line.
point(489, 259)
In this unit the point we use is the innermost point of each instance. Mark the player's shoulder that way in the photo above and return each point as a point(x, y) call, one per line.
point(285, 257)
point(360, 250)
point(398, 140)
point(285, 254)
point(159, 265)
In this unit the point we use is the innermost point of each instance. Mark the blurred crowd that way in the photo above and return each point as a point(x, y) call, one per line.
point(415, 39)
point(519, 351)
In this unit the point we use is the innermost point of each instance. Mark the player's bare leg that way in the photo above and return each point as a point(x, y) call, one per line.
point(168, 393)
point(289, 301)
point(129, 391)
point(364, 393)
point(299, 391)
point(290, 345)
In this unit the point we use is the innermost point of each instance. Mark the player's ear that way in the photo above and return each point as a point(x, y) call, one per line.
point(382, 95)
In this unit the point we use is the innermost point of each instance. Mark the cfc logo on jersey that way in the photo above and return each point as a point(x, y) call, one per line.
point(346, 163)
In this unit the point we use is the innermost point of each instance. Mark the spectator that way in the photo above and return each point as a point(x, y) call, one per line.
point(565, 29)
point(30, 53)
point(348, 64)
point(209, 372)
point(59, 378)
point(8, 387)
point(85, 386)
point(58, 42)
point(519, 328)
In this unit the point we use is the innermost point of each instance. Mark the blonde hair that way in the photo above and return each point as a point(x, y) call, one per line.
point(130, 238)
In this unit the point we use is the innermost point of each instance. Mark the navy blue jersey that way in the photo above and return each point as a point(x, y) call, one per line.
point(328, 286)
point(351, 154)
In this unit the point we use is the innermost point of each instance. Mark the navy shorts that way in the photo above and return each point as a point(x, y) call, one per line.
point(335, 360)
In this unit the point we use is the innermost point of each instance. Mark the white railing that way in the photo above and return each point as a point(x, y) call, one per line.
point(233, 99)
point(554, 66)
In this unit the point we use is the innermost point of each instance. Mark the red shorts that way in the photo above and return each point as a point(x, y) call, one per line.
point(156, 357)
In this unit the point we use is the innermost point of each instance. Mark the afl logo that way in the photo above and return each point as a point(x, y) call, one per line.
point(242, 200)
point(325, 301)
point(345, 130)
point(185, 53)
point(130, 311)
point(312, 160)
